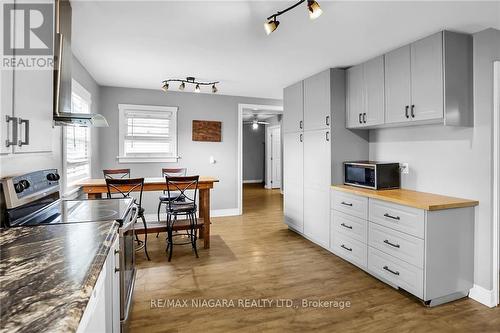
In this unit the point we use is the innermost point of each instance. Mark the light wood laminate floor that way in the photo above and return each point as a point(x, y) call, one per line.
point(255, 256)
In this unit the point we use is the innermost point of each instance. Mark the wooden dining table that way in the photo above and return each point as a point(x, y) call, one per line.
point(95, 188)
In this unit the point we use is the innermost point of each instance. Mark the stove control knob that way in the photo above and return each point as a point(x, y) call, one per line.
point(26, 184)
point(53, 177)
point(18, 187)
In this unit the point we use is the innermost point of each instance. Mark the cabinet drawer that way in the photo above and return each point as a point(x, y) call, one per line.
point(350, 204)
point(397, 244)
point(348, 225)
point(401, 218)
point(350, 249)
point(397, 272)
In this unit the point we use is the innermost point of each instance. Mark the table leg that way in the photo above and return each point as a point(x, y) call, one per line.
point(205, 214)
point(94, 195)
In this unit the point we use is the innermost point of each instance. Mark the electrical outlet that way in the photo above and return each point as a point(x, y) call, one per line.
point(404, 168)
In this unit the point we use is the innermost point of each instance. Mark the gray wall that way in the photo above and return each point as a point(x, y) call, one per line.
point(454, 161)
point(195, 155)
point(253, 152)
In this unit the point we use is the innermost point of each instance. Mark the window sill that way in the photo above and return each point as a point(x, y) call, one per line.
point(128, 159)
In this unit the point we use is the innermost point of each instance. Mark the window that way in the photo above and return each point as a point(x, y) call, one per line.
point(76, 140)
point(148, 133)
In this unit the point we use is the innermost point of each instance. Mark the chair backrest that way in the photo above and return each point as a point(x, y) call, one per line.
point(181, 185)
point(173, 172)
point(116, 173)
point(123, 187)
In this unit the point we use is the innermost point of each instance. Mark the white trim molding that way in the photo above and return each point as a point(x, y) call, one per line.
point(253, 181)
point(241, 107)
point(496, 183)
point(483, 296)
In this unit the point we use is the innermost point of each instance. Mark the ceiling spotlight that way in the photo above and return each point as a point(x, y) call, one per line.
point(190, 80)
point(182, 86)
point(271, 25)
point(165, 86)
point(315, 10)
point(197, 89)
point(214, 89)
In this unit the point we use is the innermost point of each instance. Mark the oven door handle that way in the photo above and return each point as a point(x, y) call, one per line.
point(131, 222)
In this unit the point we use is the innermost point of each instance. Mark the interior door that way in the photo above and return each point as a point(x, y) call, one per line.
point(293, 182)
point(355, 104)
point(293, 108)
point(373, 75)
point(317, 181)
point(397, 85)
point(427, 78)
point(6, 86)
point(317, 101)
point(276, 157)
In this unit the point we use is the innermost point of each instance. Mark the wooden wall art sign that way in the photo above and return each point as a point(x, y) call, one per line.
point(205, 130)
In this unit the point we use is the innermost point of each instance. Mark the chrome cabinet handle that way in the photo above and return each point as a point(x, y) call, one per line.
point(346, 203)
point(359, 118)
point(327, 120)
point(406, 112)
point(117, 270)
point(13, 142)
point(390, 270)
point(413, 111)
point(392, 217)
point(345, 247)
point(346, 226)
point(26, 141)
point(364, 117)
point(301, 124)
point(327, 136)
point(391, 244)
point(301, 138)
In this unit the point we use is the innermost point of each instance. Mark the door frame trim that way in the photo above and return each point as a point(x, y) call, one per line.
point(496, 183)
point(241, 106)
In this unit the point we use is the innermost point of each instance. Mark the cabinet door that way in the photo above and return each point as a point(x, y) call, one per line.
point(115, 286)
point(317, 109)
point(373, 75)
point(355, 104)
point(33, 102)
point(94, 317)
point(293, 182)
point(6, 84)
point(427, 78)
point(293, 108)
point(317, 181)
point(397, 85)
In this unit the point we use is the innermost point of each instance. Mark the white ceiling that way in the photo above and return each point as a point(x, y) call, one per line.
point(139, 43)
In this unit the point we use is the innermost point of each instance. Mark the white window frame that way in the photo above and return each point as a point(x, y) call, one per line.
point(122, 158)
point(69, 188)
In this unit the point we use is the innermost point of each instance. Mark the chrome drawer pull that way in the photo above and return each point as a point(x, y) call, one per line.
point(390, 270)
point(345, 247)
point(346, 203)
point(346, 226)
point(392, 217)
point(391, 244)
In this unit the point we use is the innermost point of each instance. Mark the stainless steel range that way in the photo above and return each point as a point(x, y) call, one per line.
point(33, 199)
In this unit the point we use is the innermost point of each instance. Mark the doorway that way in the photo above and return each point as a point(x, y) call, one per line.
point(255, 148)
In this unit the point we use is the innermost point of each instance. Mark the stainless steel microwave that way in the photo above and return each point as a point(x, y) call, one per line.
point(372, 175)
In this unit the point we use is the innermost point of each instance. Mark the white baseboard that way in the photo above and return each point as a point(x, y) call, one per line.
point(224, 212)
point(483, 296)
point(253, 181)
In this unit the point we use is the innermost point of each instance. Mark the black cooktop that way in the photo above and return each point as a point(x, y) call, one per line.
point(74, 211)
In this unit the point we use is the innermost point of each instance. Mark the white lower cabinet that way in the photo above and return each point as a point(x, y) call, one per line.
point(101, 314)
point(427, 253)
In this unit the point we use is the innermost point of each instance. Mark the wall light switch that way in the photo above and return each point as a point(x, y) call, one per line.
point(404, 168)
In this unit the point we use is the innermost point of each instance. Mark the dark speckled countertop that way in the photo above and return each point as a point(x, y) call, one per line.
point(47, 274)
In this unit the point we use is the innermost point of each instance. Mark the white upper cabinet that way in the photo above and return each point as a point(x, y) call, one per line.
point(427, 78)
point(373, 74)
point(355, 103)
point(397, 85)
point(317, 110)
point(293, 106)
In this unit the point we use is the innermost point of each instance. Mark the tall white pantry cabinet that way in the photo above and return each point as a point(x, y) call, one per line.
point(316, 143)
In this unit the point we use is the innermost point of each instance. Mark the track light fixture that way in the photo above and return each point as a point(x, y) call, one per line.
point(190, 80)
point(313, 8)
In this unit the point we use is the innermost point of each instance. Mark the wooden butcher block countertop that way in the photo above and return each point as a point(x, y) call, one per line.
point(421, 200)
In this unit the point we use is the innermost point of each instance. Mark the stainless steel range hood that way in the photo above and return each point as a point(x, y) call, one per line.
point(63, 58)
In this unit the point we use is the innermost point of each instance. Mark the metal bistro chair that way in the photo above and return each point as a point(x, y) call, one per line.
point(184, 205)
point(125, 187)
point(116, 173)
point(165, 198)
